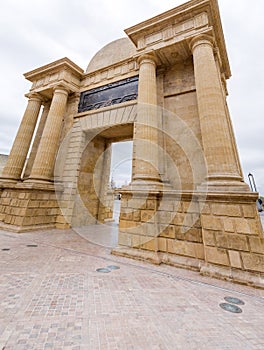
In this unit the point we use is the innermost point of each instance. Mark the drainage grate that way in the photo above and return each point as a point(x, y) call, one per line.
point(231, 308)
point(233, 300)
point(32, 245)
point(113, 267)
point(103, 270)
point(5, 249)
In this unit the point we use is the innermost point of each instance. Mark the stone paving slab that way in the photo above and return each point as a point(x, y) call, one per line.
point(52, 297)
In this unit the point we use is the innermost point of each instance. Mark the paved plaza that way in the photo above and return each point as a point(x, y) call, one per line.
point(53, 297)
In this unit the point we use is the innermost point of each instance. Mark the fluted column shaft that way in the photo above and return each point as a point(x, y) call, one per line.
point(45, 158)
point(216, 134)
point(146, 127)
point(37, 139)
point(19, 151)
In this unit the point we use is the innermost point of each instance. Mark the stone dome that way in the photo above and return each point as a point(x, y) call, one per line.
point(112, 53)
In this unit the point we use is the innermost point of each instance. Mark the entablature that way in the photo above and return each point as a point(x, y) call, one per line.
point(61, 72)
point(168, 34)
point(117, 71)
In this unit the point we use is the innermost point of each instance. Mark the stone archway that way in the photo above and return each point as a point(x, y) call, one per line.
point(85, 154)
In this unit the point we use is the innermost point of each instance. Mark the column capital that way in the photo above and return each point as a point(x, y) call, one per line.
point(75, 96)
point(60, 88)
point(201, 39)
point(34, 96)
point(147, 58)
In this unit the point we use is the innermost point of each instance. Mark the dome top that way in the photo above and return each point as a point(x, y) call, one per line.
point(112, 53)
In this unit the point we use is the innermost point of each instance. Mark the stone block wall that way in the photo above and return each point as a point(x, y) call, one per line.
point(233, 236)
point(106, 207)
point(218, 234)
point(163, 223)
point(138, 221)
point(25, 208)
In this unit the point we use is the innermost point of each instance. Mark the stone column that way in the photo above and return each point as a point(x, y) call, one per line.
point(146, 126)
point(45, 158)
point(19, 151)
point(37, 139)
point(217, 137)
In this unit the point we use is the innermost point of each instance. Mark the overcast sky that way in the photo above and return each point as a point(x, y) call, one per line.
point(37, 32)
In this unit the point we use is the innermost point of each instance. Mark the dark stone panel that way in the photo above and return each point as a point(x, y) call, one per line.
point(110, 94)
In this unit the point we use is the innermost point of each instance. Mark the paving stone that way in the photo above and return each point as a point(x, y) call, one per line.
point(55, 299)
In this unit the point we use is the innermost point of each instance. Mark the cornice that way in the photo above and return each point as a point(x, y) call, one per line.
point(219, 34)
point(180, 14)
point(63, 63)
point(164, 17)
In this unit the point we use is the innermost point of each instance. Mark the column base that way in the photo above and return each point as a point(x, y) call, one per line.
point(9, 179)
point(224, 183)
point(23, 229)
point(43, 180)
point(254, 279)
point(148, 184)
point(137, 254)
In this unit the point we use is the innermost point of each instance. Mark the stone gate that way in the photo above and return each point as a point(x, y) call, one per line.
point(163, 86)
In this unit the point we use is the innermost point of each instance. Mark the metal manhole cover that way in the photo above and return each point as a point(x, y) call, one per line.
point(5, 249)
point(32, 245)
point(103, 270)
point(113, 267)
point(231, 308)
point(233, 300)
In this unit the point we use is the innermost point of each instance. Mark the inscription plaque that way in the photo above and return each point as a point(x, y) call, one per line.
point(110, 94)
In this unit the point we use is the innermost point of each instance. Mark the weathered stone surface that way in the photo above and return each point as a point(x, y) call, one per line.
point(226, 210)
point(235, 260)
point(249, 211)
point(231, 241)
point(209, 237)
point(216, 256)
point(229, 225)
point(256, 244)
point(211, 223)
point(168, 231)
point(253, 262)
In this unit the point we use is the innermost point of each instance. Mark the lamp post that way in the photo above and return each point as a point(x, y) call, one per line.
point(252, 183)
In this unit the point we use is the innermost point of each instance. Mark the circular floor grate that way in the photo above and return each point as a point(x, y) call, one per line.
point(103, 270)
point(113, 267)
point(233, 300)
point(231, 308)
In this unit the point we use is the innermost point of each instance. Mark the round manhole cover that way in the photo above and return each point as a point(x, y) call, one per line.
point(32, 245)
point(103, 270)
point(233, 300)
point(113, 267)
point(231, 308)
point(5, 249)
